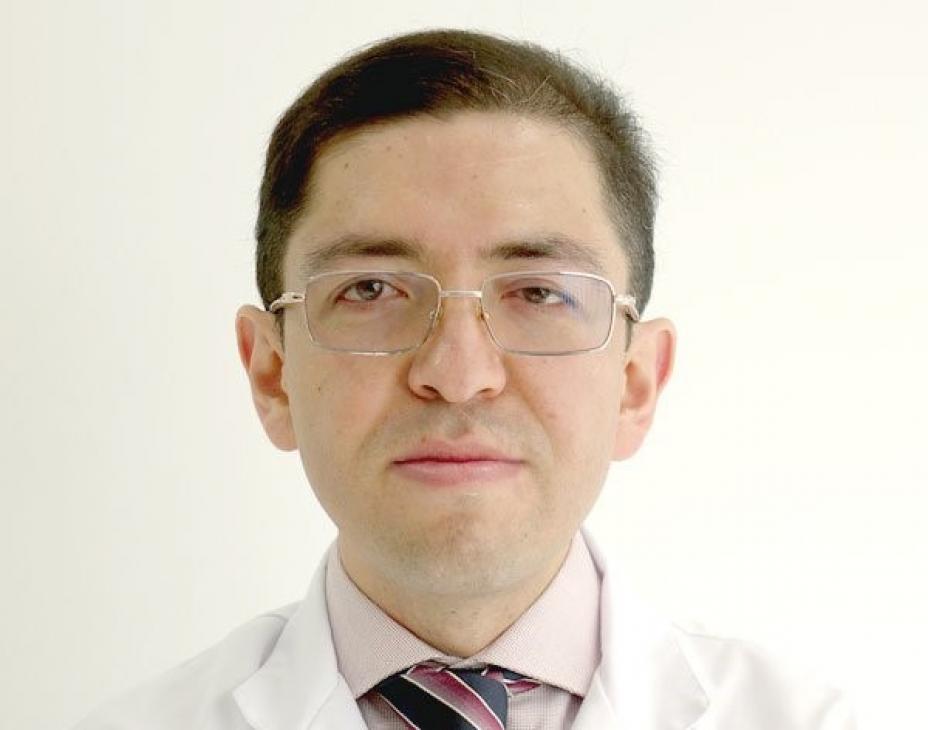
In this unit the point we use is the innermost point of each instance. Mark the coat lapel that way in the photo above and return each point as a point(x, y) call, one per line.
point(644, 681)
point(299, 686)
point(596, 712)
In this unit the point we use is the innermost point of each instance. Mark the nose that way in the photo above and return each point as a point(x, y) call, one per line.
point(459, 361)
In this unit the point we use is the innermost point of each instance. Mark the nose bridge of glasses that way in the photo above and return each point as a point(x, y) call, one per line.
point(460, 294)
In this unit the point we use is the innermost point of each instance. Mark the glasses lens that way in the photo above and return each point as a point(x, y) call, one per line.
point(548, 313)
point(370, 311)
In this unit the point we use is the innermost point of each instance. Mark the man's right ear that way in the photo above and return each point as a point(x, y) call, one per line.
point(262, 356)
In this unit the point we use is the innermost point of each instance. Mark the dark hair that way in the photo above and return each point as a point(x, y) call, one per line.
point(442, 71)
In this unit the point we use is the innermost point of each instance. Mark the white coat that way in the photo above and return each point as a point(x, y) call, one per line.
point(278, 672)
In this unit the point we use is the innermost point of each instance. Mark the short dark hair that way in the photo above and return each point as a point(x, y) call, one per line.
point(442, 71)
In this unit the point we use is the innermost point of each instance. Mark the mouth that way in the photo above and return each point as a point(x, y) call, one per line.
point(443, 464)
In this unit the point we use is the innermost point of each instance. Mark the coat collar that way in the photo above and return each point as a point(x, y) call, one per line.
point(299, 682)
point(644, 682)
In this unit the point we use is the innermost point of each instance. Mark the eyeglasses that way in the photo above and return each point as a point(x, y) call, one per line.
point(525, 312)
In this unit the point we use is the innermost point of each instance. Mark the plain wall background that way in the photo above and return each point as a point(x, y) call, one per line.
point(781, 494)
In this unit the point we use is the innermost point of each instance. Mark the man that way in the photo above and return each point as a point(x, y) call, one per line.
point(454, 249)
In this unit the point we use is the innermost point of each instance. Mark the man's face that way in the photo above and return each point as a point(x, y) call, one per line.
point(457, 187)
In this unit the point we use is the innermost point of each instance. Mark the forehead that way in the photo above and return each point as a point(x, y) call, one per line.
point(457, 193)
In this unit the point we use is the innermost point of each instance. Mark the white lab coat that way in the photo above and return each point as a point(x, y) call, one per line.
point(278, 672)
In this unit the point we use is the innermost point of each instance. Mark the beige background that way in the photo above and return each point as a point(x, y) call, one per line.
point(143, 514)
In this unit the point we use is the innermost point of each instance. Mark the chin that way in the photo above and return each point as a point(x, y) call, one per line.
point(464, 559)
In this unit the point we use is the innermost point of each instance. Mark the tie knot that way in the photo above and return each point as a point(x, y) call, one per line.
point(513, 682)
point(431, 695)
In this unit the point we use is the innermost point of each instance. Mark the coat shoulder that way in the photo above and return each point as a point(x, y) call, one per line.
point(198, 691)
point(761, 690)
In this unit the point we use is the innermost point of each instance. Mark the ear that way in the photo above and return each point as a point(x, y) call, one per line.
point(262, 355)
point(648, 365)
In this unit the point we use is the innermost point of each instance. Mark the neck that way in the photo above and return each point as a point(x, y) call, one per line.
point(456, 624)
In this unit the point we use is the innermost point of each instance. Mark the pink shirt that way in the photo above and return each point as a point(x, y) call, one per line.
point(556, 641)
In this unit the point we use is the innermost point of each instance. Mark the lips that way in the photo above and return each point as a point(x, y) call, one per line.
point(443, 464)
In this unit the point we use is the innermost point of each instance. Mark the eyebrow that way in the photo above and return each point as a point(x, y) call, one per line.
point(552, 247)
point(549, 247)
point(354, 246)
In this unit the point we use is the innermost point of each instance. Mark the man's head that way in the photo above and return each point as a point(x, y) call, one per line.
point(460, 192)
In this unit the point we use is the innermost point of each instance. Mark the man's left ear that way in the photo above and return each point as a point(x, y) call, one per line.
point(648, 365)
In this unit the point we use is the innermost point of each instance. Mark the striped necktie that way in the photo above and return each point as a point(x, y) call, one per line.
point(429, 696)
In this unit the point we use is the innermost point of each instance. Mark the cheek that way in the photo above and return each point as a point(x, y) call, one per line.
point(336, 404)
point(578, 406)
point(334, 412)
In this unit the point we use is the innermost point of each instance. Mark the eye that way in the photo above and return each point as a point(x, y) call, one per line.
point(543, 295)
point(366, 290)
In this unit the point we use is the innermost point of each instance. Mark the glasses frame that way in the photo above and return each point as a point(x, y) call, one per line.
point(625, 301)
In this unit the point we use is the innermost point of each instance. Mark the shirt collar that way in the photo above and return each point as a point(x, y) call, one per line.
point(371, 646)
